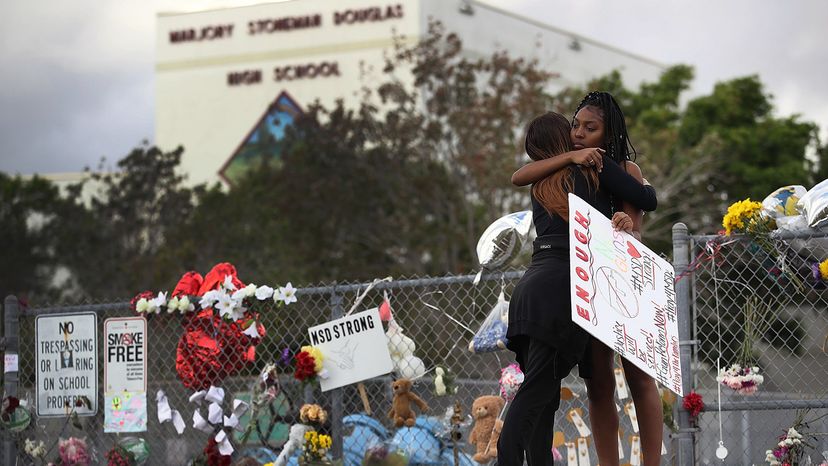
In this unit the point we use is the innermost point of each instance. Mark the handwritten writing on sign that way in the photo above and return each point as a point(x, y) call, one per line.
point(622, 293)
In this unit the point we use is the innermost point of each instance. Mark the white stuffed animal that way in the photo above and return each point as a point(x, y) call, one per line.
point(401, 348)
point(296, 437)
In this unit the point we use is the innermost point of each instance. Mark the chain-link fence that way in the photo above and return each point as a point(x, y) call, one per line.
point(439, 315)
point(769, 295)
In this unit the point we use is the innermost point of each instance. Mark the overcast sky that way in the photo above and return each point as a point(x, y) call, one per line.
point(77, 77)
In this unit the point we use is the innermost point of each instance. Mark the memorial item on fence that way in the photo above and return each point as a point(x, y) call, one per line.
point(401, 351)
point(820, 272)
point(486, 411)
point(502, 240)
point(35, 449)
point(385, 453)
point(783, 201)
point(814, 205)
point(15, 416)
point(510, 379)
point(315, 449)
point(295, 441)
point(128, 451)
point(693, 404)
point(743, 375)
point(73, 452)
point(309, 363)
point(623, 294)
point(444, 382)
point(792, 445)
point(354, 348)
point(221, 327)
point(401, 412)
point(491, 336)
point(217, 424)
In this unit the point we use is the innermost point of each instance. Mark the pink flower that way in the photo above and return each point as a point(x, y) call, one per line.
point(748, 389)
point(73, 452)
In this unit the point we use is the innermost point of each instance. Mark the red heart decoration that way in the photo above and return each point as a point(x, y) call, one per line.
point(632, 251)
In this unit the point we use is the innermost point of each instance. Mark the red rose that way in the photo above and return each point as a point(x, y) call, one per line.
point(189, 284)
point(305, 366)
point(693, 403)
point(216, 277)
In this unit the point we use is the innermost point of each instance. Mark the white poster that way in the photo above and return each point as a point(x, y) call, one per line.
point(125, 350)
point(67, 363)
point(623, 294)
point(354, 349)
point(125, 374)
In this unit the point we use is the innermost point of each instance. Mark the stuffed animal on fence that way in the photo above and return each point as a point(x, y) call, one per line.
point(296, 438)
point(487, 425)
point(401, 412)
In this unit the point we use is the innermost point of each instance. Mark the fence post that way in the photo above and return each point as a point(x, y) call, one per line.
point(336, 394)
point(11, 340)
point(681, 253)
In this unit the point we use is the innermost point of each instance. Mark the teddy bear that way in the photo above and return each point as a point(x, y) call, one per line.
point(401, 412)
point(312, 414)
point(486, 411)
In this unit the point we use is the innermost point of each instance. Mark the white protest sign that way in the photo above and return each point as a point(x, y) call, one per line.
point(67, 363)
point(354, 349)
point(125, 374)
point(623, 294)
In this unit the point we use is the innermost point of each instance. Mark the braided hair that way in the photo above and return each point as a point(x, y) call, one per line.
point(616, 139)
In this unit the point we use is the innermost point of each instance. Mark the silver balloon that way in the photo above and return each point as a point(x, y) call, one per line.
point(783, 201)
point(814, 205)
point(501, 242)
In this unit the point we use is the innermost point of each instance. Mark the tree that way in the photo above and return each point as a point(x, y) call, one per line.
point(114, 244)
point(27, 209)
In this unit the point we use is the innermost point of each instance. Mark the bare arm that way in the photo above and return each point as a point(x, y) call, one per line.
point(537, 170)
point(636, 214)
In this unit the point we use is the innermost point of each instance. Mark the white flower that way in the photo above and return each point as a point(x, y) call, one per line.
point(252, 331)
point(159, 301)
point(264, 292)
point(172, 305)
point(239, 295)
point(210, 298)
point(788, 442)
point(228, 283)
point(238, 310)
point(142, 305)
point(249, 290)
point(184, 305)
point(754, 369)
point(225, 304)
point(287, 294)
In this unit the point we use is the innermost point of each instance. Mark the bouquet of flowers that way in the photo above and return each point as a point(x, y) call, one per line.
point(309, 364)
point(791, 447)
point(315, 448)
point(743, 376)
point(746, 217)
point(744, 380)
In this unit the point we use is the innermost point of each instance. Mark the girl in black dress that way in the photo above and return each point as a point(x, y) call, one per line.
point(599, 135)
point(546, 342)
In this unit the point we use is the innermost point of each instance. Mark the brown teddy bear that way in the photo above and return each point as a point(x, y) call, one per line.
point(313, 415)
point(486, 411)
point(401, 412)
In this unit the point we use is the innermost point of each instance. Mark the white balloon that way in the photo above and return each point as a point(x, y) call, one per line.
point(502, 240)
point(814, 205)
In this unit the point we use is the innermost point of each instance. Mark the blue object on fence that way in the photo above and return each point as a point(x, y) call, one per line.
point(423, 446)
point(365, 431)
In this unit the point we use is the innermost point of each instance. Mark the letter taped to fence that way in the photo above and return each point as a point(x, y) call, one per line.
point(623, 294)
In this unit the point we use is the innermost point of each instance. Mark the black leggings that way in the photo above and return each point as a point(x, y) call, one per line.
point(530, 421)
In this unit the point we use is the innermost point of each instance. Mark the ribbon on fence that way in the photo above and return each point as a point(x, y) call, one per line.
point(710, 252)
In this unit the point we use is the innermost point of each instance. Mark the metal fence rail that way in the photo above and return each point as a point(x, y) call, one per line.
point(429, 309)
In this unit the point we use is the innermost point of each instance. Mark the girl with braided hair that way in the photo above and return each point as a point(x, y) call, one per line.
point(546, 343)
point(599, 135)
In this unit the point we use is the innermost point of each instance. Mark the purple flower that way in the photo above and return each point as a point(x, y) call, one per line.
point(285, 357)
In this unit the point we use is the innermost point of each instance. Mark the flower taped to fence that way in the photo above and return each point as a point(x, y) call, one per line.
point(221, 324)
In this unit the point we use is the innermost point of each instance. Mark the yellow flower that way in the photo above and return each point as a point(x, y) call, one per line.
point(325, 441)
point(823, 269)
point(317, 356)
point(738, 213)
